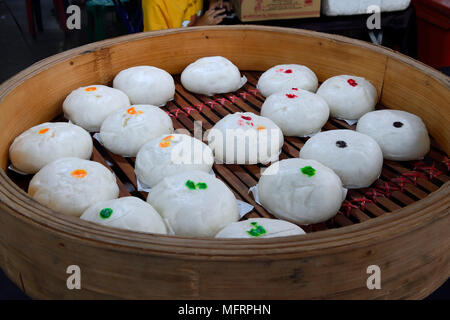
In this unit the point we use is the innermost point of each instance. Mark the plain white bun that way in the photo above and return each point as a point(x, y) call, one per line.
point(402, 136)
point(245, 138)
point(285, 77)
point(257, 228)
point(355, 157)
point(211, 75)
point(129, 213)
point(194, 203)
point(46, 142)
point(171, 154)
point(297, 112)
point(125, 131)
point(146, 85)
point(89, 106)
point(301, 191)
point(348, 97)
point(71, 185)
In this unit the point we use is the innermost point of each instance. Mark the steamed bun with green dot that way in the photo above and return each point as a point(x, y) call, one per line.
point(259, 228)
point(194, 203)
point(301, 191)
point(129, 213)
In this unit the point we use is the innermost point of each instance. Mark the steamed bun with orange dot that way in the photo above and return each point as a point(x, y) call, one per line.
point(301, 191)
point(245, 138)
point(129, 213)
point(287, 76)
point(146, 85)
point(194, 203)
point(171, 154)
point(71, 185)
point(46, 142)
point(212, 75)
point(125, 131)
point(348, 97)
point(89, 106)
point(297, 112)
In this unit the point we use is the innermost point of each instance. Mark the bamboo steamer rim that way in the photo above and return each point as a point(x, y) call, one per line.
point(386, 227)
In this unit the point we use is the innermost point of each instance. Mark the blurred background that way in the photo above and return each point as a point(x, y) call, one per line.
point(31, 30)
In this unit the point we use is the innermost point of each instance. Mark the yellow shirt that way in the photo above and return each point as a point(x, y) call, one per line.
point(165, 14)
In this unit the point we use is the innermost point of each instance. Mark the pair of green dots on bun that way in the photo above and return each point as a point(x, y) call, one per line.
point(193, 186)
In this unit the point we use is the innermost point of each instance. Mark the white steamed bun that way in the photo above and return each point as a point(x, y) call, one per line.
point(402, 136)
point(245, 138)
point(89, 106)
point(49, 141)
point(146, 85)
point(125, 131)
point(211, 75)
point(302, 191)
point(297, 112)
point(260, 228)
point(194, 203)
point(348, 97)
point(285, 77)
point(129, 213)
point(355, 157)
point(171, 154)
point(71, 185)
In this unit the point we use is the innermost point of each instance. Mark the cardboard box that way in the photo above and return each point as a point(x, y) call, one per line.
point(257, 10)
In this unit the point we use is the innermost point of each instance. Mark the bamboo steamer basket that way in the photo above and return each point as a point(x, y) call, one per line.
point(410, 242)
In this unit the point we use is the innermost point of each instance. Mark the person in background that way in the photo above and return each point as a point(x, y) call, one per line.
point(165, 14)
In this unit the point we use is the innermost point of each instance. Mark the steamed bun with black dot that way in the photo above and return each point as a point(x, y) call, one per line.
point(355, 157)
point(297, 112)
point(285, 77)
point(301, 191)
point(71, 185)
point(146, 85)
point(212, 75)
point(348, 97)
point(171, 154)
point(402, 136)
point(194, 203)
point(258, 228)
point(87, 107)
point(46, 142)
point(245, 138)
point(125, 131)
point(129, 213)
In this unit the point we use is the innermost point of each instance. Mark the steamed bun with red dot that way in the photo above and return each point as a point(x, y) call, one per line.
point(87, 107)
point(402, 136)
point(301, 191)
point(46, 142)
point(129, 213)
point(348, 97)
point(297, 112)
point(146, 85)
point(194, 203)
point(285, 77)
point(212, 75)
point(245, 138)
point(71, 185)
point(355, 157)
